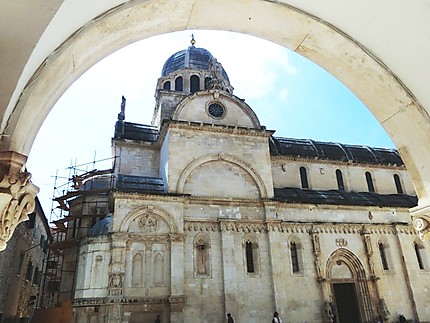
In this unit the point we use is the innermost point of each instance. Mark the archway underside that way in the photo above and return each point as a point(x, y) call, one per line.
point(406, 122)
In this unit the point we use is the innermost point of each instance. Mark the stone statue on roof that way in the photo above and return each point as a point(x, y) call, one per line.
point(121, 115)
point(217, 81)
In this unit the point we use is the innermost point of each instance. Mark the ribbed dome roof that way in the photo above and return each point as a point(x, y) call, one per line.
point(192, 57)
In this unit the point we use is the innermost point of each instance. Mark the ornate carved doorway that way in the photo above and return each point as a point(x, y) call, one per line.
point(348, 287)
point(345, 297)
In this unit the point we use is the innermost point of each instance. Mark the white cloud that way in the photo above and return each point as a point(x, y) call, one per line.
point(283, 95)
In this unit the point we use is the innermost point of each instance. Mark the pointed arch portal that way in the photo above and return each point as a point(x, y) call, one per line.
point(49, 51)
point(349, 287)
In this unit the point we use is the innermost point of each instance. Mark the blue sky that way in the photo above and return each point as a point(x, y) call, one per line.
point(288, 93)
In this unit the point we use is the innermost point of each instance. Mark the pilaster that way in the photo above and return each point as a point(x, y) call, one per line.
point(116, 277)
point(177, 298)
point(229, 268)
point(278, 267)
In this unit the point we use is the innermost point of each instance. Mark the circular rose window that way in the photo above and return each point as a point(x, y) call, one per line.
point(216, 110)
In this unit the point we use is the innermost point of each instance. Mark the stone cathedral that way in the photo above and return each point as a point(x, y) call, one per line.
point(206, 212)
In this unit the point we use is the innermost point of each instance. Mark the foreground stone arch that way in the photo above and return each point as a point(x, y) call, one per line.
point(393, 104)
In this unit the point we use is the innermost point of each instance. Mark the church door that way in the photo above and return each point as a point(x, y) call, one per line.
point(346, 303)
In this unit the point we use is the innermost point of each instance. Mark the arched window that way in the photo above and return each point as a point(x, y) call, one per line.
point(294, 257)
point(383, 256)
point(207, 82)
point(369, 181)
point(398, 184)
point(194, 83)
point(249, 257)
point(304, 177)
point(419, 256)
point(166, 86)
point(179, 84)
point(339, 178)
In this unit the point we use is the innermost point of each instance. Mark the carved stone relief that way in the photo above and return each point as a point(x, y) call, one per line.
point(148, 223)
point(115, 280)
point(17, 196)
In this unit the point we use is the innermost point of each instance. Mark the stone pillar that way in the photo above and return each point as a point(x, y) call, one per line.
point(228, 257)
point(17, 194)
point(323, 285)
point(369, 300)
point(274, 227)
point(177, 298)
point(116, 277)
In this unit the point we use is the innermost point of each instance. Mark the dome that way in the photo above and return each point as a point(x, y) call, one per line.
point(102, 227)
point(192, 57)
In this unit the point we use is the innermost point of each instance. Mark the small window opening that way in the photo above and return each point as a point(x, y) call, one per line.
point(339, 178)
point(249, 257)
point(304, 177)
point(383, 256)
point(398, 184)
point(369, 181)
point(294, 257)
point(179, 84)
point(166, 86)
point(194, 83)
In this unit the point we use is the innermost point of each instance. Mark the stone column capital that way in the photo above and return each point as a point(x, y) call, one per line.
point(17, 194)
point(421, 220)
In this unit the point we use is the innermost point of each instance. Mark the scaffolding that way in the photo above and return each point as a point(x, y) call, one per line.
point(78, 201)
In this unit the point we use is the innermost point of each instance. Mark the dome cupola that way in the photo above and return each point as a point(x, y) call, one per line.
point(191, 58)
point(191, 70)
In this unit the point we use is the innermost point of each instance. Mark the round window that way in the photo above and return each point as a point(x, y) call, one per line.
point(216, 110)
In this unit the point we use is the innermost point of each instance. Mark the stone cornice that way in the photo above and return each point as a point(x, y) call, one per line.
point(364, 208)
point(225, 224)
point(186, 198)
point(136, 143)
point(188, 125)
point(280, 158)
point(149, 197)
point(128, 300)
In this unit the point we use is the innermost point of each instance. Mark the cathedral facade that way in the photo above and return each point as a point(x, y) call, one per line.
point(207, 212)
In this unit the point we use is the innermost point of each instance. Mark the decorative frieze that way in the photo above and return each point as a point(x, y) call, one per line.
point(190, 225)
point(210, 225)
point(129, 300)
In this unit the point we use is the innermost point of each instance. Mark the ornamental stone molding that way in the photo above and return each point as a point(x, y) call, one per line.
point(190, 225)
point(210, 225)
point(17, 194)
point(421, 221)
